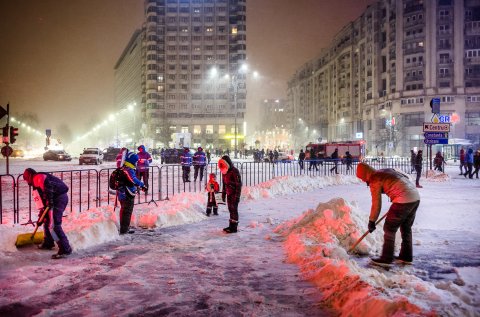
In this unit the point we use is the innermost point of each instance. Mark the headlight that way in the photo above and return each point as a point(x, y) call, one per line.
point(61, 156)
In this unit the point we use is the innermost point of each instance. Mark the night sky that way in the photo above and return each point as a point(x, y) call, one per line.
point(57, 56)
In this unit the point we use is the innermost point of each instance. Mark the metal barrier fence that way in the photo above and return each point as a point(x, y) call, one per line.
point(89, 187)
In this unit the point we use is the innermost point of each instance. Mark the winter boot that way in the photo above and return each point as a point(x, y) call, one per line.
point(209, 211)
point(215, 211)
point(232, 228)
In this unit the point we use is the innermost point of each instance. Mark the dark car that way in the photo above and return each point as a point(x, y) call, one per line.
point(56, 155)
point(110, 154)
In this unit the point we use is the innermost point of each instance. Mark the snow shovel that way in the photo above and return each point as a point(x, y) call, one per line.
point(31, 238)
point(365, 234)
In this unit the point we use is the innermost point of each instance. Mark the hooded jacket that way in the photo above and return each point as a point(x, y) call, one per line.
point(232, 181)
point(390, 182)
point(144, 159)
point(469, 156)
point(129, 188)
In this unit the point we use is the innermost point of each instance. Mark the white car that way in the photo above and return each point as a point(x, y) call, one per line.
point(91, 156)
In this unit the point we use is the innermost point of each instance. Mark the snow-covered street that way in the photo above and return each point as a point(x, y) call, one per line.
point(288, 259)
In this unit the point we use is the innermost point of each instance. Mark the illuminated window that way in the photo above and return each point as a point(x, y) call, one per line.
point(234, 30)
point(197, 129)
point(184, 130)
point(209, 129)
point(221, 129)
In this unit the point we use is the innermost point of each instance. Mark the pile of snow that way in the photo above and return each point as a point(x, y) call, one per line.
point(436, 176)
point(318, 242)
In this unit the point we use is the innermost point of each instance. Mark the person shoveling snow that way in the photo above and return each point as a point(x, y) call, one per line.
point(405, 201)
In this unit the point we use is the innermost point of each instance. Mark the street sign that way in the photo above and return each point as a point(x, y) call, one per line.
point(435, 105)
point(436, 127)
point(436, 135)
point(435, 141)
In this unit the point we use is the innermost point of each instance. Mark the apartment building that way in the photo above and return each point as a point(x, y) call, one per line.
point(192, 79)
point(377, 78)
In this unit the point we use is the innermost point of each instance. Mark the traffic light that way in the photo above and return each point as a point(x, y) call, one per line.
point(13, 134)
point(5, 131)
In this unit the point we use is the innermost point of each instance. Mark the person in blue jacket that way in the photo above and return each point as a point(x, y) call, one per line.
point(469, 161)
point(199, 163)
point(127, 191)
point(186, 161)
point(143, 165)
point(52, 192)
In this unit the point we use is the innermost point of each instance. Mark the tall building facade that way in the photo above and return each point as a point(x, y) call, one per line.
point(128, 93)
point(380, 73)
point(192, 79)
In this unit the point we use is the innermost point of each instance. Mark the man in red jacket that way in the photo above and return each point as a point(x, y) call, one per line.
point(232, 189)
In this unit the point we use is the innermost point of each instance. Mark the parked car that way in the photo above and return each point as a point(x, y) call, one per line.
point(17, 153)
point(110, 154)
point(91, 156)
point(56, 155)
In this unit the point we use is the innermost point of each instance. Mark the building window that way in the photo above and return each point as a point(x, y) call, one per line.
point(209, 129)
point(221, 129)
point(472, 118)
point(197, 129)
point(414, 119)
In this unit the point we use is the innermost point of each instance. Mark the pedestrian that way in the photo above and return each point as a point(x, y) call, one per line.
point(438, 161)
point(275, 155)
point(348, 160)
point(270, 156)
point(121, 156)
point(418, 167)
point(209, 156)
point(186, 162)
point(462, 161)
point(52, 194)
point(143, 165)
point(162, 156)
point(232, 189)
point(199, 163)
point(212, 188)
point(313, 160)
point(476, 163)
point(301, 159)
point(401, 214)
point(335, 161)
point(127, 190)
point(469, 162)
point(412, 161)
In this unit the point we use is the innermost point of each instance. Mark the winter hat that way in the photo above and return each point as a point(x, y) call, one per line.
point(200, 148)
point(132, 158)
point(28, 175)
point(364, 171)
point(141, 148)
point(223, 166)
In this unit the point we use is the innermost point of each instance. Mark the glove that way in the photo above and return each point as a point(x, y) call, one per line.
point(144, 188)
point(371, 226)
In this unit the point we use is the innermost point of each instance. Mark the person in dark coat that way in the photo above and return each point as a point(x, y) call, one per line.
point(412, 161)
point(401, 214)
point(418, 167)
point(348, 160)
point(438, 161)
point(232, 189)
point(463, 163)
point(313, 160)
point(127, 191)
point(476, 163)
point(301, 159)
point(186, 161)
point(334, 158)
point(199, 163)
point(52, 194)
point(143, 165)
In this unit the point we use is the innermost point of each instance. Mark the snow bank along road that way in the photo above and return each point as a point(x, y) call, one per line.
point(196, 270)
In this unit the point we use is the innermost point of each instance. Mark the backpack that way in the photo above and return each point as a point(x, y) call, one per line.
point(118, 179)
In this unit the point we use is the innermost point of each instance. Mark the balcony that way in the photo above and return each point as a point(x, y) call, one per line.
point(413, 8)
point(472, 60)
